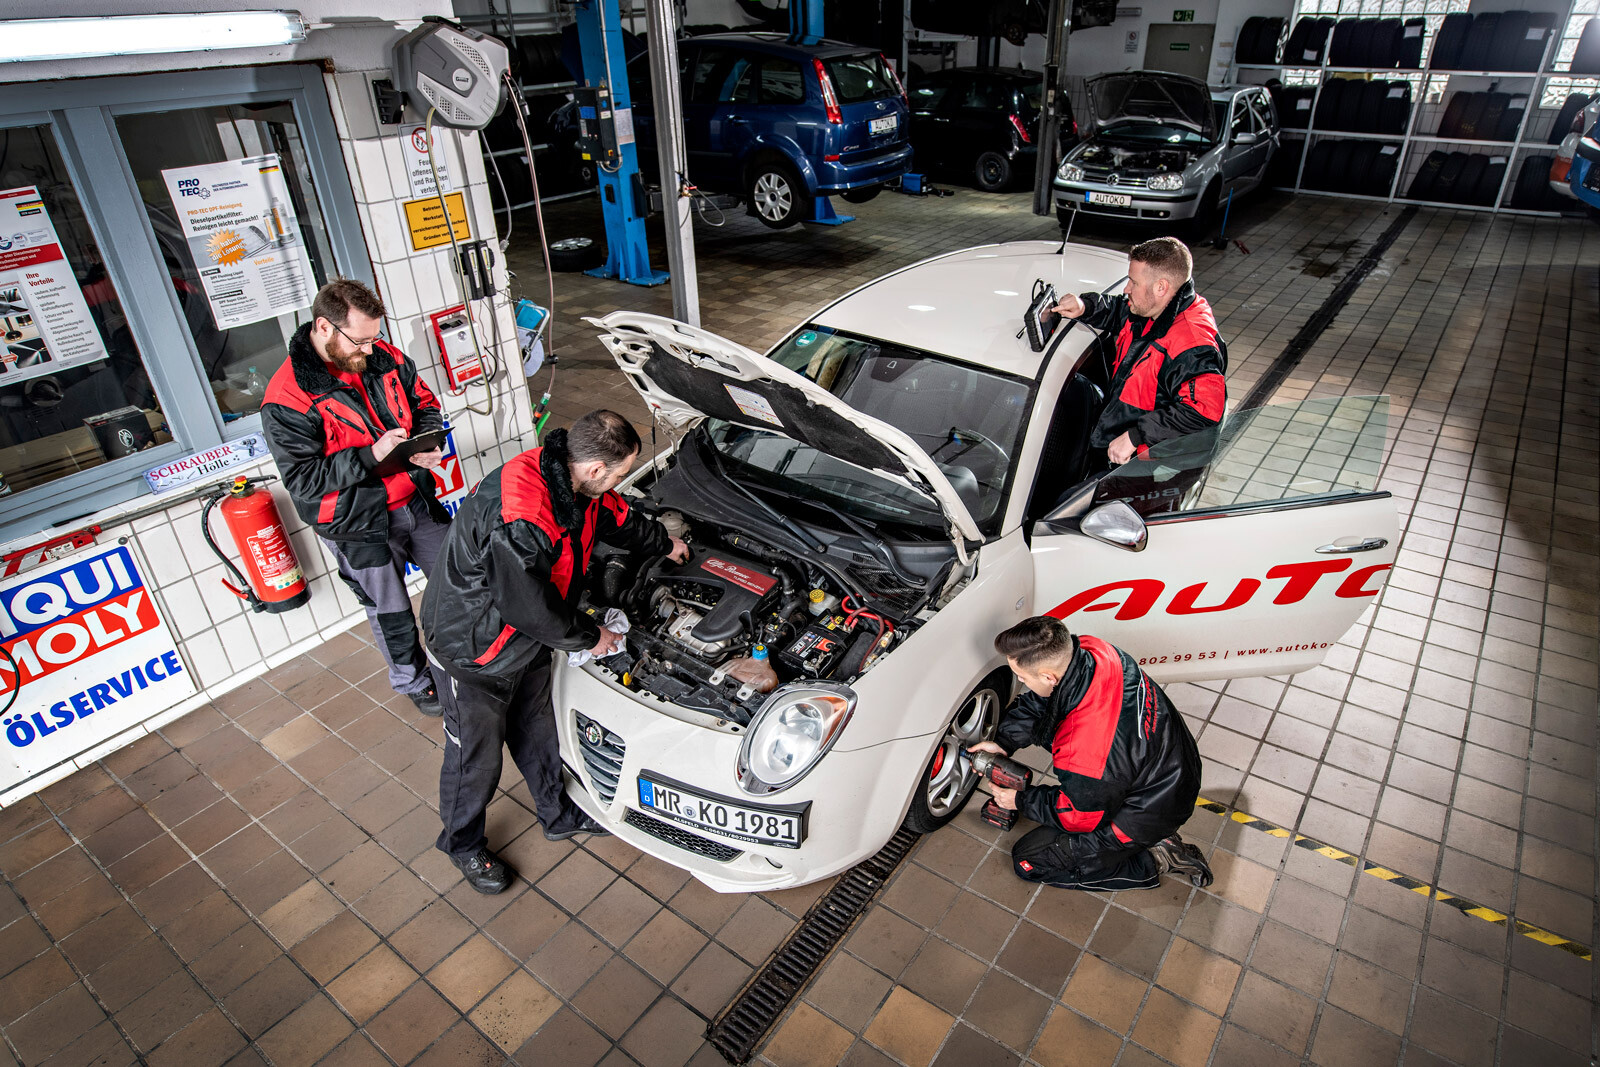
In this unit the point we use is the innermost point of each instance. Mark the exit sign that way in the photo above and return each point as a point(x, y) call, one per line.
point(1183, 16)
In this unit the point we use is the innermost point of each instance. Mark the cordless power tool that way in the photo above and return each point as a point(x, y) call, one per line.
point(1005, 774)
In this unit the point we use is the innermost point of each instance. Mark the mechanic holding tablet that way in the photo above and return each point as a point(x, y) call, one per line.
point(1167, 379)
point(338, 416)
point(1128, 768)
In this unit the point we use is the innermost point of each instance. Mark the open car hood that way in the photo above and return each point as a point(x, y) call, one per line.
point(1153, 96)
point(684, 373)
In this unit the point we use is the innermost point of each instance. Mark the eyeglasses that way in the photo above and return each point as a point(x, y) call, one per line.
point(359, 344)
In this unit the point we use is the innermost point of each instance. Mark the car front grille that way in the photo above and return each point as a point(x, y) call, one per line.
point(1101, 176)
point(602, 759)
point(684, 839)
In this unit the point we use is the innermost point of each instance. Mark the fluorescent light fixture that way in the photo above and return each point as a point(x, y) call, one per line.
point(115, 35)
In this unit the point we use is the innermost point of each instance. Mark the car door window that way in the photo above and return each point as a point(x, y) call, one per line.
point(708, 73)
point(983, 95)
point(739, 86)
point(1241, 120)
point(1263, 112)
point(782, 82)
point(929, 92)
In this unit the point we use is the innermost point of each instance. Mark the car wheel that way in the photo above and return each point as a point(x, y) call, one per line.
point(1205, 212)
point(776, 195)
point(992, 172)
point(575, 254)
point(950, 780)
point(861, 196)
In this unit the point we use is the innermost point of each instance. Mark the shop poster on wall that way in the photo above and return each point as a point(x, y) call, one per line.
point(45, 323)
point(245, 238)
point(87, 653)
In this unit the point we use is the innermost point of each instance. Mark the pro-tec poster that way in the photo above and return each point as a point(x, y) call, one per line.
point(44, 321)
point(87, 654)
point(245, 238)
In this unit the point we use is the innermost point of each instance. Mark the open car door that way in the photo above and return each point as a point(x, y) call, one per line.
point(1248, 551)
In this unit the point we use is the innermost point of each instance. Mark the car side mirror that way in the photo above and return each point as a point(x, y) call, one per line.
point(1116, 524)
point(1244, 138)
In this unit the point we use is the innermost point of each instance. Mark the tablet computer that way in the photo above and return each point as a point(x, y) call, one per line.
point(1041, 318)
point(400, 459)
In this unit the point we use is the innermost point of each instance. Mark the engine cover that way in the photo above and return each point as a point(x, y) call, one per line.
point(729, 588)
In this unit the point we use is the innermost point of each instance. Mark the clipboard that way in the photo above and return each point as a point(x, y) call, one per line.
point(400, 459)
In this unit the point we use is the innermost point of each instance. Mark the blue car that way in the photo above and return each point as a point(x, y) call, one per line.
point(779, 124)
point(1584, 177)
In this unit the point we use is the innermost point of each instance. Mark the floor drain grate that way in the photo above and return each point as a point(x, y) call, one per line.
point(743, 1023)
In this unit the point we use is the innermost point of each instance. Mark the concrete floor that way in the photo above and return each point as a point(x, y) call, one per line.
point(257, 883)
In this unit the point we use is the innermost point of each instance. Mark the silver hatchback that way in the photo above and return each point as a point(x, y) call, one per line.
point(1166, 147)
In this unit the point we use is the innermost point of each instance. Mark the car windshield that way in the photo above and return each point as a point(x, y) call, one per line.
point(1144, 133)
point(968, 420)
point(861, 77)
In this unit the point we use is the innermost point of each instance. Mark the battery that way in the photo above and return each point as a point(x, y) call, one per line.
point(818, 647)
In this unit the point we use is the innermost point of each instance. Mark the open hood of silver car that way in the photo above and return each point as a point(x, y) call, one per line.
point(1153, 96)
point(685, 373)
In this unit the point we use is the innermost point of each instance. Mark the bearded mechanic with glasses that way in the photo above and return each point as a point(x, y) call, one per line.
point(337, 407)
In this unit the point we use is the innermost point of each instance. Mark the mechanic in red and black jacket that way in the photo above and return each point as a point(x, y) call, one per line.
point(1127, 766)
point(1167, 380)
point(341, 402)
point(503, 597)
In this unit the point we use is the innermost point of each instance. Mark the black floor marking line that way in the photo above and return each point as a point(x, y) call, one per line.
point(740, 1027)
point(1461, 904)
point(1320, 319)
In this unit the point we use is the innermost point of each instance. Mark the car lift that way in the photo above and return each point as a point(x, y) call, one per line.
point(805, 27)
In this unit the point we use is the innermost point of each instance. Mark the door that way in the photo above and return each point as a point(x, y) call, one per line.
point(929, 98)
point(979, 122)
point(1258, 558)
point(1245, 151)
point(1180, 47)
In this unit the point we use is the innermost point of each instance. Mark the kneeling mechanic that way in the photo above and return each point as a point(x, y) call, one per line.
point(1128, 767)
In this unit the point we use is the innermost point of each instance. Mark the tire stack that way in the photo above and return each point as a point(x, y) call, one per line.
point(1307, 42)
point(1258, 40)
point(1459, 178)
point(1381, 107)
point(1377, 44)
point(1482, 116)
point(1531, 191)
point(1293, 105)
point(1362, 168)
point(1497, 41)
point(1586, 60)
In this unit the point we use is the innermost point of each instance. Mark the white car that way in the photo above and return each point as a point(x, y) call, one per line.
point(897, 481)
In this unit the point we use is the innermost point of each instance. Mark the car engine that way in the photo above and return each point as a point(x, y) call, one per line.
point(1135, 160)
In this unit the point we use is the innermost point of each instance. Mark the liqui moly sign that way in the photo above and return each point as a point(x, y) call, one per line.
point(87, 654)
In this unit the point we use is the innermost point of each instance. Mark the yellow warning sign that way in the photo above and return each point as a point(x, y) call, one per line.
point(426, 220)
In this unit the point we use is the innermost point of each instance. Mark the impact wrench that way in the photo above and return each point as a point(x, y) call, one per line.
point(1005, 774)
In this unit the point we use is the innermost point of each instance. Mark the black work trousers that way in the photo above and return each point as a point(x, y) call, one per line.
point(478, 723)
point(1083, 861)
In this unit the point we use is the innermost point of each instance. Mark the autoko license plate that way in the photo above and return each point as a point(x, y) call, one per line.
point(887, 124)
point(784, 827)
point(1109, 199)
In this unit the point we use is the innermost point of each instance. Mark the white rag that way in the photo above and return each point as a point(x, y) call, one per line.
point(617, 623)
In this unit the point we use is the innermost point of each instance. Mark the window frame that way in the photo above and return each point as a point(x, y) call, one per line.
point(81, 116)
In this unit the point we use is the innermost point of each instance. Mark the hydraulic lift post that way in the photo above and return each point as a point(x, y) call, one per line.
point(1055, 92)
point(661, 29)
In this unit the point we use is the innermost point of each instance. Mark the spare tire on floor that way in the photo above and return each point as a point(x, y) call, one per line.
point(575, 254)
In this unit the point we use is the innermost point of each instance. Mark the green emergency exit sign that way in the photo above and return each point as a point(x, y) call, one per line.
point(1178, 46)
point(1183, 16)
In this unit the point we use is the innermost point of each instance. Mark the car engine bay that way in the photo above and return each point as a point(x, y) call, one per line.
point(1131, 160)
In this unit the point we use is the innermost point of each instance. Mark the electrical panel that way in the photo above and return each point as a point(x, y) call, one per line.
point(597, 128)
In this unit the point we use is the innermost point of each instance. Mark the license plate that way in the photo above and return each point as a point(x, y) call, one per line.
point(784, 828)
point(1109, 199)
point(887, 124)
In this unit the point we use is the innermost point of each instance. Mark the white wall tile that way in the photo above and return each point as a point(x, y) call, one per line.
point(219, 601)
point(270, 633)
point(399, 290)
point(373, 165)
point(239, 641)
point(356, 111)
point(206, 658)
point(167, 561)
point(185, 608)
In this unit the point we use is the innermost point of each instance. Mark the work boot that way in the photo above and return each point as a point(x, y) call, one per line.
point(427, 702)
point(1174, 855)
point(572, 824)
point(484, 871)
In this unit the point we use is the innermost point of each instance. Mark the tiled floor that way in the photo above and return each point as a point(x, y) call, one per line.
point(257, 883)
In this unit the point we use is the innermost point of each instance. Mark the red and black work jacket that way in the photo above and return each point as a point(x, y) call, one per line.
point(321, 431)
point(1128, 767)
point(1167, 380)
point(508, 580)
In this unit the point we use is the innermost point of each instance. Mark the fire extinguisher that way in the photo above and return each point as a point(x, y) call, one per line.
point(276, 581)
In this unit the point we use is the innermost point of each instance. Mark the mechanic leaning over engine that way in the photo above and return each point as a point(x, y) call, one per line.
point(1167, 379)
point(502, 597)
point(1128, 767)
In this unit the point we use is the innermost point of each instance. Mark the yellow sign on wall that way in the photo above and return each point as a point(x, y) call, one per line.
point(426, 221)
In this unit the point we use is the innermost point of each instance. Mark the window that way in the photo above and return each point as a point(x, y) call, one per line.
point(123, 364)
point(985, 95)
point(861, 77)
point(928, 94)
point(782, 82)
point(739, 87)
point(1241, 119)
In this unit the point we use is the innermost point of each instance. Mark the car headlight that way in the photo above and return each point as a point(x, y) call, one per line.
point(1070, 172)
point(1166, 183)
point(791, 732)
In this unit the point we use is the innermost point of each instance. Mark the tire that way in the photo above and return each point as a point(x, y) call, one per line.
point(1341, 49)
point(1586, 60)
point(1472, 172)
point(1294, 110)
point(1358, 179)
point(1380, 176)
point(1299, 47)
point(1445, 185)
point(949, 781)
point(1426, 177)
point(575, 254)
point(1248, 47)
point(1285, 165)
point(1479, 44)
point(1350, 104)
point(1370, 115)
point(1394, 113)
point(1488, 188)
point(1271, 34)
point(1384, 49)
point(1328, 104)
point(991, 172)
point(1533, 181)
point(1494, 112)
point(1316, 172)
point(1530, 50)
point(1508, 38)
point(1575, 103)
point(1450, 124)
point(775, 194)
point(1408, 46)
point(861, 196)
point(1339, 166)
point(1205, 212)
point(1447, 44)
point(1472, 117)
point(1511, 119)
point(1361, 43)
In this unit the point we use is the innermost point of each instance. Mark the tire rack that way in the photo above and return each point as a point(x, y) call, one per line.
point(1415, 145)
